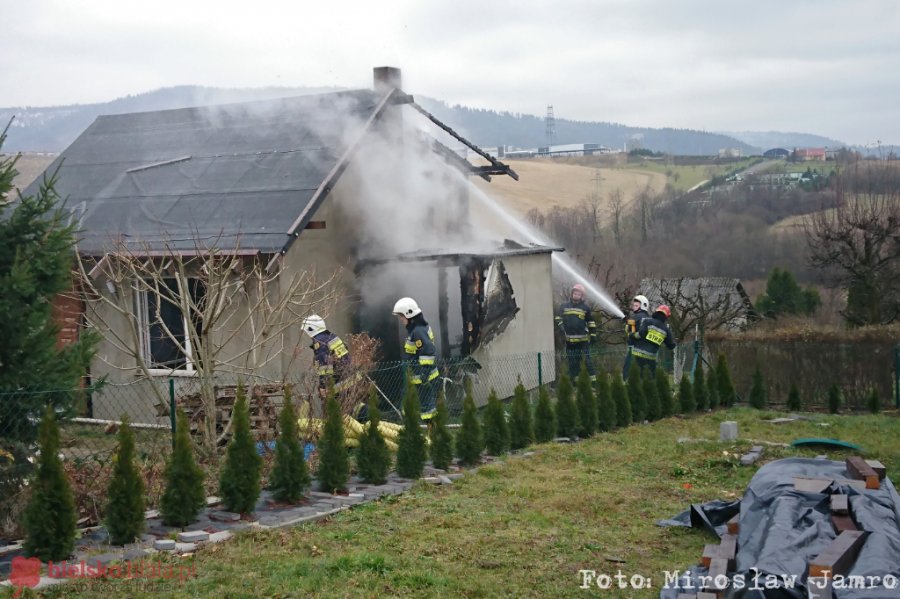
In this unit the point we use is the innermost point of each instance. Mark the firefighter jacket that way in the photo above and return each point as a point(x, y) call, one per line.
point(419, 351)
point(633, 323)
point(332, 358)
point(577, 322)
point(650, 336)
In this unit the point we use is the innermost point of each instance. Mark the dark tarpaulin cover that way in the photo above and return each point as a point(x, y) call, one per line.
point(782, 530)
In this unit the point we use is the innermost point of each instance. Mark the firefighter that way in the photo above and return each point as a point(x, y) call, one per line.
point(420, 354)
point(578, 326)
point(639, 306)
point(652, 334)
point(332, 356)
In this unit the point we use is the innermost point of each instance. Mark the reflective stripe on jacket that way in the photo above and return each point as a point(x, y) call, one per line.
point(650, 336)
point(332, 357)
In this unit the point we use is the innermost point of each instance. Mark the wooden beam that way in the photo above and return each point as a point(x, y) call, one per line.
point(734, 525)
point(842, 523)
point(839, 504)
point(878, 467)
point(718, 569)
point(839, 556)
point(858, 469)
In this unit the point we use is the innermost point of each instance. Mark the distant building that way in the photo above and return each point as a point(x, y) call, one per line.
point(810, 154)
point(776, 153)
point(714, 300)
point(729, 153)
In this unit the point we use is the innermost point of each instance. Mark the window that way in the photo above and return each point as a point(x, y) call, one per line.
point(165, 342)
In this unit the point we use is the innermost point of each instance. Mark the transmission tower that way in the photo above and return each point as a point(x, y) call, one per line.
point(551, 127)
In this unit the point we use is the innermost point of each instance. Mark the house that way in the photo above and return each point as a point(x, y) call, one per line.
point(362, 190)
point(708, 302)
point(809, 154)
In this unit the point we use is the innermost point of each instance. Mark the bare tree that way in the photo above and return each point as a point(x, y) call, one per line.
point(698, 304)
point(857, 243)
point(617, 209)
point(232, 315)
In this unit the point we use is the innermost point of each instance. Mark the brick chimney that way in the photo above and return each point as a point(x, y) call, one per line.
point(387, 77)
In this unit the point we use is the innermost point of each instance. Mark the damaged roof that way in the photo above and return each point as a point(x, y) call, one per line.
point(242, 176)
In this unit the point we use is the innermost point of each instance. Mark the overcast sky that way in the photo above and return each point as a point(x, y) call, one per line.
point(830, 67)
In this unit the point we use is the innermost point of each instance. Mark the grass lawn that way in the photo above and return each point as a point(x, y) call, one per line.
point(523, 528)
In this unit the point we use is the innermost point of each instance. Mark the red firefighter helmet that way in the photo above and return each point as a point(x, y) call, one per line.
point(665, 310)
point(578, 287)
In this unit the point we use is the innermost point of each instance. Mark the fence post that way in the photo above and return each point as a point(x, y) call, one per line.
point(172, 408)
point(540, 369)
point(697, 351)
point(897, 377)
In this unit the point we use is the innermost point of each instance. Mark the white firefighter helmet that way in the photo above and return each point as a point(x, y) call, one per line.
point(313, 325)
point(406, 306)
point(643, 301)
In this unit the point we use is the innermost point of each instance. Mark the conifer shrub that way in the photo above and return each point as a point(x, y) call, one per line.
point(664, 392)
point(290, 475)
point(469, 440)
point(521, 429)
point(623, 403)
point(239, 484)
point(686, 396)
point(334, 463)
point(412, 453)
point(373, 458)
point(125, 495)
point(636, 395)
point(50, 516)
point(758, 398)
point(567, 424)
point(184, 496)
point(544, 417)
point(606, 407)
point(587, 404)
point(496, 429)
point(794, 403)
point(441, 439)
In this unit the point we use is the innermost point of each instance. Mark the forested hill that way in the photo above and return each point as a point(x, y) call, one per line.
point(51, 129)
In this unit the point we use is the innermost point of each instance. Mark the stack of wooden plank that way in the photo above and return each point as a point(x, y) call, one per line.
point(263, 410)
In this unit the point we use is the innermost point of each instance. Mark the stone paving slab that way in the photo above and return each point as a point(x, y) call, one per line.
point(193, 536)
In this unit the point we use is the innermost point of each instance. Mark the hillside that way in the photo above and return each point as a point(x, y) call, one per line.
point(52, 128)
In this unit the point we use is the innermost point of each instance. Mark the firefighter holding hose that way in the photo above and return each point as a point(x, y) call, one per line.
point(578, 326)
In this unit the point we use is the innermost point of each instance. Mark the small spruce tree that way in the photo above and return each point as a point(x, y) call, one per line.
point(566, 411)
point(606, 407)
point(441, 439)
point(664, 392)
point(834, 399)
point(469, 440)
point(334, 463)
point(373, 459)
point(290, 476)
point(794, 404)
point(125, 495)
point(758, 391)
point(723, 376)
point(620, 398)
point(521, 430)
point(636, 394)
point(50, 516)
point(412, 453)
point(587, 404)
point(701, 399)
point(496, 429)
point(651, 397)
point(544, 417)
point(239, 483)
point(686, 396)
point(184, 496)
point(874, 401)
point(712, 390)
